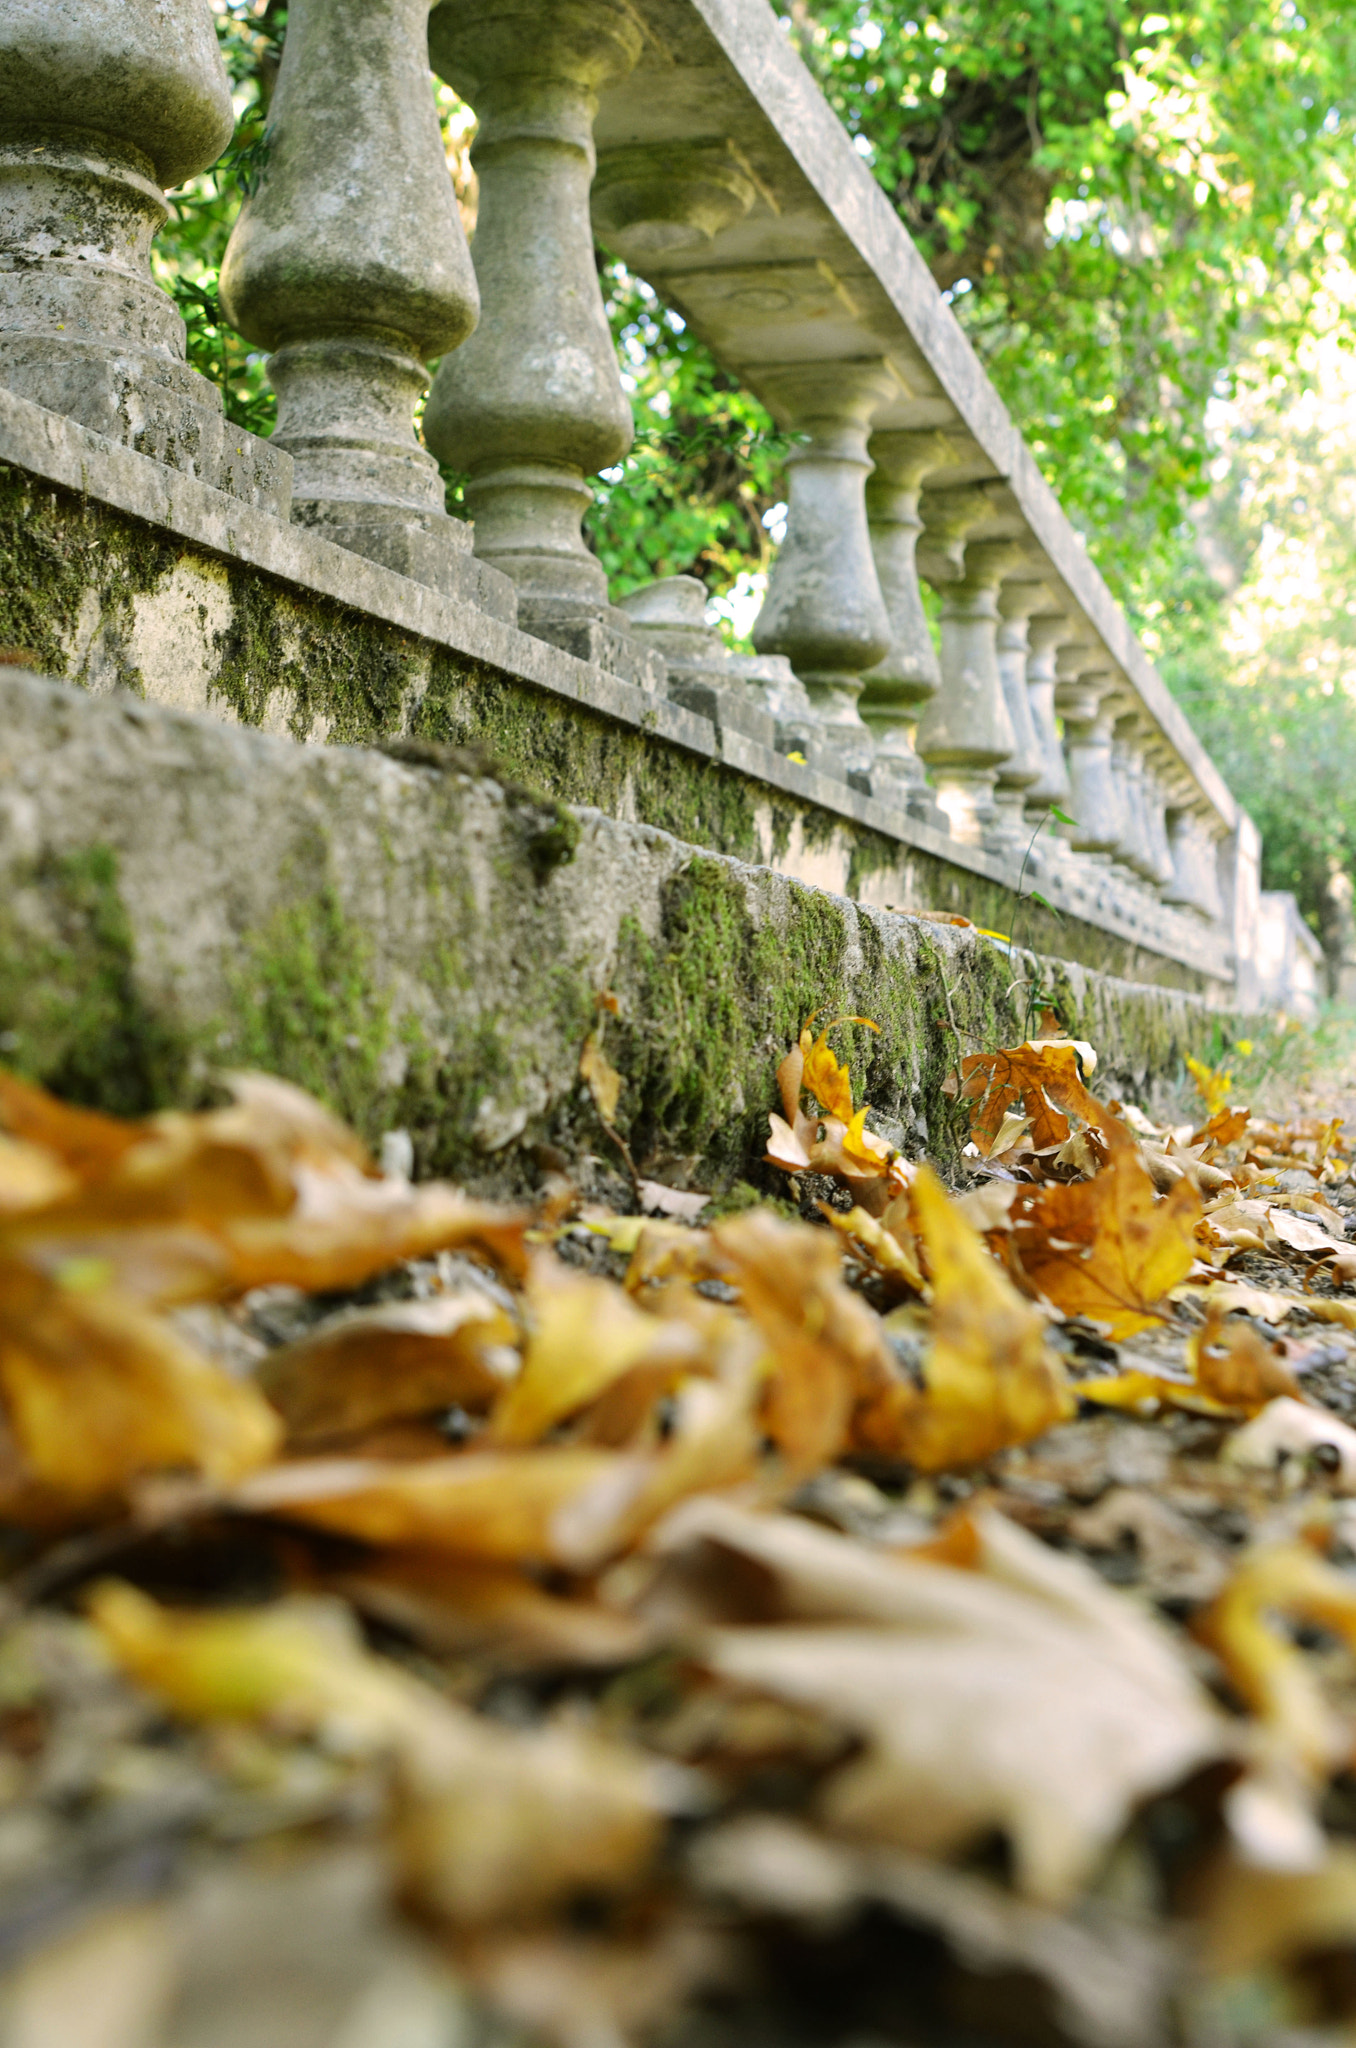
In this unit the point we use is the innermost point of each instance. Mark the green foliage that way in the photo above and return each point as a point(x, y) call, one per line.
point(190, 247)
point(1125, 204)
point(706, 463)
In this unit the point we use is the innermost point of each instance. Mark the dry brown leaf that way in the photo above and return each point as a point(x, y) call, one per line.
point(1105, 1248)
point(826, 1350)
point(1234, 1364)
point(1022, 1694)
point(583, 1335)
point(605, 1084)
point(401, 1359)
point(1039, 1081)
point(1225, 1127)
point(990, 1378)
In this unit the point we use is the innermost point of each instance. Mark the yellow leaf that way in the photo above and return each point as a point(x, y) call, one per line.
point(826, 1080)
point(583, 1335)
point(604, 1082)
point(990, 1378)
point(492, 1823)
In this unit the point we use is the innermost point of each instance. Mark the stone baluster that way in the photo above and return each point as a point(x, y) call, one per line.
point(349, 263)
point(1024, 766)
point(652, 199)
point(670, 616)
point(1155, 802)
point(1195, 882)
point(104, 104)
point(898, 687)
point(824, 609)
point(965, 732)
point(1131, 854)
point(533, 404)
point(1046, 634)
point(1081, 690)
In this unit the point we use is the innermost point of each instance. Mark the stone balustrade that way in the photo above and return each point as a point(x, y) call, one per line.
point(1025, 732)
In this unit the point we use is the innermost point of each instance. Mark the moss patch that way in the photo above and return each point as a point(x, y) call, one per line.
point(71, 1013)
point(55, 553)
point(304, 1003)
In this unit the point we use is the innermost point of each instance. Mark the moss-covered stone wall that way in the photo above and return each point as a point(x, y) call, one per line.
point(426, 946)
point(109, 602)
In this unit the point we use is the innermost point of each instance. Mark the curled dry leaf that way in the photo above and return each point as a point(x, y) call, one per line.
point(1018, 1694)
point(1284, 1581)
point(1298, 1442)
point(583, 1335)
point(399, 1360)
point(826, 1351)
point(889, 1245)
point(990, 1378)
point(832, 1138)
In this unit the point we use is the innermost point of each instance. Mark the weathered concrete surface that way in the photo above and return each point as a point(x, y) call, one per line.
point(424, 944)
point(117, 572)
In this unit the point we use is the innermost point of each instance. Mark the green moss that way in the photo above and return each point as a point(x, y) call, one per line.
point(871, 854)
point(71, 1013)
point(304, 1004)
point(54, 552)
point(353, 671)
point(584, 758)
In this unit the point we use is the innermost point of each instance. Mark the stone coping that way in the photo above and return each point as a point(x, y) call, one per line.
point(60, 452)
point(723, 70)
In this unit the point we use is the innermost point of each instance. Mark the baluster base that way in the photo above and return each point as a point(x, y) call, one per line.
point(966, 795)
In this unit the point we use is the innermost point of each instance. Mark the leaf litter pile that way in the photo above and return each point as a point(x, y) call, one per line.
point(426, 1621)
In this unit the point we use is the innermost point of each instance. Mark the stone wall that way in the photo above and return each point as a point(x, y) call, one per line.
point(425, 945)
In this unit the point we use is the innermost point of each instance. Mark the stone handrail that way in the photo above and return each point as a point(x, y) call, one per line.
point(714, 166)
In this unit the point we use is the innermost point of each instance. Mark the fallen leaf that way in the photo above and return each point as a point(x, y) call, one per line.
point(1039, 1082)
point(401, 1359)
point(1021, 1694)
point(826, 1351)
point(990, 1379)
point(1236, 1366)
point(1276, 1678)
point(1301, 1235)
point(583, 1334)
point(496, 1823)
point(604, 1082)
point(1106, 1248)
point(1299, 1442)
